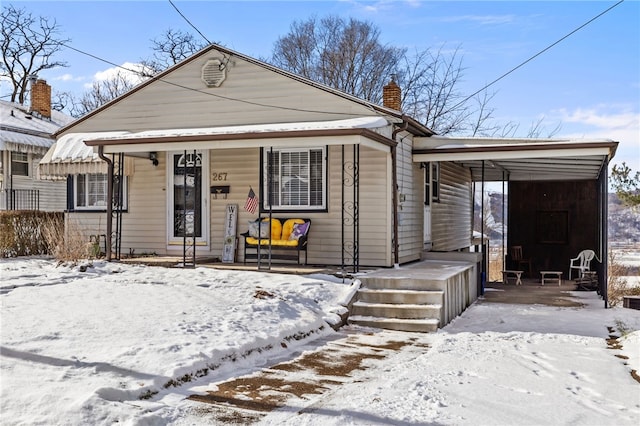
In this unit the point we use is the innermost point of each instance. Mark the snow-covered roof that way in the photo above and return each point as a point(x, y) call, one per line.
point(25, 132)
point(71, 155)
point(351, 123)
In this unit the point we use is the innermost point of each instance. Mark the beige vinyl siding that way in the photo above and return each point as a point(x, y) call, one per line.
point(451, 216)
point(144, 228)
point(374, 209)
point(249, 95)
point(326, 227)
point(87, 224)
point(410, 204)
point(243, 172)
point(144, 221)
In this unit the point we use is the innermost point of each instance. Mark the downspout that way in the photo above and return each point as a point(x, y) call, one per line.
point(394, 178)
point(109, 199)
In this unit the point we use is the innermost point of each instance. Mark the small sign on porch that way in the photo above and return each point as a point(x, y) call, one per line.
point(229, 246)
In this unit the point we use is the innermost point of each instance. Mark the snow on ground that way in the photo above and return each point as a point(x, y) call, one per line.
point(83, 346)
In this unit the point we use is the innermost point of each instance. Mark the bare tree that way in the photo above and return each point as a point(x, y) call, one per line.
point(28, 46)
point(348, 56)
point(536, 130)
point(344, 54)
point(435, 98)
point(100, 93)
point(171, 47)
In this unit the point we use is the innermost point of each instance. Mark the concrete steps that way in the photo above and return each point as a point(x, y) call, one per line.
point(392, 310)
point(400, 296)
point(414, 325)
point(403, 304)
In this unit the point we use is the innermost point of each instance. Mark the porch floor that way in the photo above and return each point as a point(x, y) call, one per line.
point(213, 262)
point(531, 292)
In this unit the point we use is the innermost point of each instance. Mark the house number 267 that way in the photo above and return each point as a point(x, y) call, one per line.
point(217, 177)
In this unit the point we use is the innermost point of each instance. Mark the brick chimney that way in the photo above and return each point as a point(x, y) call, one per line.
point(391, 95)
point(41, 98)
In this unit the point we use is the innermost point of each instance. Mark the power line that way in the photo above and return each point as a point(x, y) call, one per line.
point(154, 78)
point(189, 22)
point(534, 56)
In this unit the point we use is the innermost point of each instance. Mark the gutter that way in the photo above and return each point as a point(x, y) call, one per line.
point(109, 200)
point(394, 179)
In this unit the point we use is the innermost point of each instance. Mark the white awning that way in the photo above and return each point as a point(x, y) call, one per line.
point(24, 142)
point(71, 156)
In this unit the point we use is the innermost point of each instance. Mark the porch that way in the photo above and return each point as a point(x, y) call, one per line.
point(420, 296)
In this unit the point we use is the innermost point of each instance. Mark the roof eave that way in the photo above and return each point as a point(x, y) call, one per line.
point(414, 126)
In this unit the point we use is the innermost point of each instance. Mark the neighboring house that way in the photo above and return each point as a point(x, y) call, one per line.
point(380, 188)
point(26, 134)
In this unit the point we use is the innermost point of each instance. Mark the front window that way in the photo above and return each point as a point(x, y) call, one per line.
point(294, 179)
point(91, 192)
point(19, 164)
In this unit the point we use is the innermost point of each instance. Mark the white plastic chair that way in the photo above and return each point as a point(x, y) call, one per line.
point(582, 263)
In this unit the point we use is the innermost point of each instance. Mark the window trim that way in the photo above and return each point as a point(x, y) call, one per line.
point(15, 161)
point(74, 205)
point(264, 207)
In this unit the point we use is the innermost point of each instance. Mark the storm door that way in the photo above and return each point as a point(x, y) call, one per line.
point(188, 212)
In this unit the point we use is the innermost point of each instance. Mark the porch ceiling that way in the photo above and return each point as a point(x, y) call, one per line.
point(520, 159)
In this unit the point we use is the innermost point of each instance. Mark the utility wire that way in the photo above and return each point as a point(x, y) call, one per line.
point(155, 78)
point(534, 56)
point(189, 22)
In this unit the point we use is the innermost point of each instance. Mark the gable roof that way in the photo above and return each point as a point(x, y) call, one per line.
point(393, 116)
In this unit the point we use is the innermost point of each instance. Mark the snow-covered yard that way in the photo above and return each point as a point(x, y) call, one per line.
point(122, 343)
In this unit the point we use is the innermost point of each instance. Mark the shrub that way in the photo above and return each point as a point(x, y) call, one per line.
point(22, 233)
point(67, 243)
point(32, 233)
point(617, 285)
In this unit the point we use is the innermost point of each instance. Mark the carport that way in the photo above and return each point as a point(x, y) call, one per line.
point(556, 193)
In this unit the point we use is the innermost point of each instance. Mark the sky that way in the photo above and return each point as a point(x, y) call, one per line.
point(588, 83)
point(81, 343)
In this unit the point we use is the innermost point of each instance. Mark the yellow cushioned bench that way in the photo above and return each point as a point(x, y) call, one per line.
point(284, 236)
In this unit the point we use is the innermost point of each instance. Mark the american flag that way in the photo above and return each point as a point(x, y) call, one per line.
point(252, 202)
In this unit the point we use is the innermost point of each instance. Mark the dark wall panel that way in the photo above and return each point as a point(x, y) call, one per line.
point(553, 221)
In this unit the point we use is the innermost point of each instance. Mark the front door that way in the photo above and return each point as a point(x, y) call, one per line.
point(188, 208)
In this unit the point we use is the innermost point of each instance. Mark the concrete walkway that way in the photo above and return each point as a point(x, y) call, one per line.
point(299, 384)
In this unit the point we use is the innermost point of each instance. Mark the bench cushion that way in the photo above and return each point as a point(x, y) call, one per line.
point(255, 226)
point(288, 227)
point(265, 242)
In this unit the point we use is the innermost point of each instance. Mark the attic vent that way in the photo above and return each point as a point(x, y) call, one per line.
point(213, 73)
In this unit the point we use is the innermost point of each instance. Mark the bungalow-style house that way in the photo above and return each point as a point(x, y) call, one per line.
point(26, 134)
point(380, 188)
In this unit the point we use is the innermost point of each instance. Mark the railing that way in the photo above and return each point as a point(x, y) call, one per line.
point(20, 199)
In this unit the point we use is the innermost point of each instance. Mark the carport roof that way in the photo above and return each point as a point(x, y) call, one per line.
point(520, 159)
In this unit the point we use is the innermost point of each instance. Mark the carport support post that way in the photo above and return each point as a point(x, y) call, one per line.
point(604, 231)
point(484, 251)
